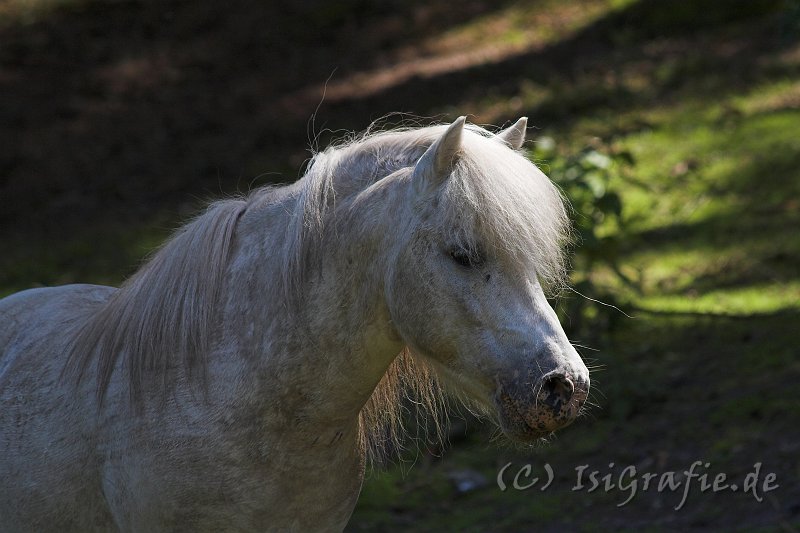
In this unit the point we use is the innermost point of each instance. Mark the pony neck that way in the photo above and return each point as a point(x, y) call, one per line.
point(327, 350)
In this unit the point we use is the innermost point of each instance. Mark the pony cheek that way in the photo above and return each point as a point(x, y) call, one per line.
point(416, 316)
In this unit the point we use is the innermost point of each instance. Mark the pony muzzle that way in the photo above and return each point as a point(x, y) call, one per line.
point(551, 403)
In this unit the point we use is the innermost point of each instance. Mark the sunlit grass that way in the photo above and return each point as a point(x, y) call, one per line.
point(714, 196)
point(748, 300)
point(522, 25)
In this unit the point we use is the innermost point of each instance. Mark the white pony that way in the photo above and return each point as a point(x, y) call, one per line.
point(237, 381)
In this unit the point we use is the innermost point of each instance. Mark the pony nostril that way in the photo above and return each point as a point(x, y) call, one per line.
point(557, 390)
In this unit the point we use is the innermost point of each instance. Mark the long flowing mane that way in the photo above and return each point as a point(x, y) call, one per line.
point(161, 316)
point(164, 310)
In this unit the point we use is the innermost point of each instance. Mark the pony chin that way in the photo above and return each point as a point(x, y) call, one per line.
point(512, 423)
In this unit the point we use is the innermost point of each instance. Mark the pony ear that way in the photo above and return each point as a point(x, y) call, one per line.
point(438, 160)
point(514, 136)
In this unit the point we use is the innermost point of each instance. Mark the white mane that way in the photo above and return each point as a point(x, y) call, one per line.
point(164, 310)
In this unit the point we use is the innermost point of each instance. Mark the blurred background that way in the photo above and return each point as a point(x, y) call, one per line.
point(673, 127)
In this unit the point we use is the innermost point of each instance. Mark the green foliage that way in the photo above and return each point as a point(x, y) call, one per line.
point(586, 179)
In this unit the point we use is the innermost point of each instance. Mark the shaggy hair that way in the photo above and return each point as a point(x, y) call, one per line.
point(160, 317)
point(494, 195)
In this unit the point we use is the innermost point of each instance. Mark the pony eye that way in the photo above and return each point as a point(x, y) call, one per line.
point(465, 258)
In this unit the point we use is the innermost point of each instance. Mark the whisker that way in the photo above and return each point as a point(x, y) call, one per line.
point(596, 392)
point(583, 347)
point(590, 364)
point(599, 302)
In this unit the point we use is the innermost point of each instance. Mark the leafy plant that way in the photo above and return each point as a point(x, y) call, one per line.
point(586, 179)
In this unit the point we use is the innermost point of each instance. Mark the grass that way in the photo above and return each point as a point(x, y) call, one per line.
point(108, 254)
point(713, 230)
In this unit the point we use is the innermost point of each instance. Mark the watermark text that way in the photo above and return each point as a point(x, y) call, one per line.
point(629, 481)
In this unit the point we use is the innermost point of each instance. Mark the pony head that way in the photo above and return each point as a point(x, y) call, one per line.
point(482, 236)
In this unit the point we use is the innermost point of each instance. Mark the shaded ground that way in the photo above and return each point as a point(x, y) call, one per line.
point(118, 118)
